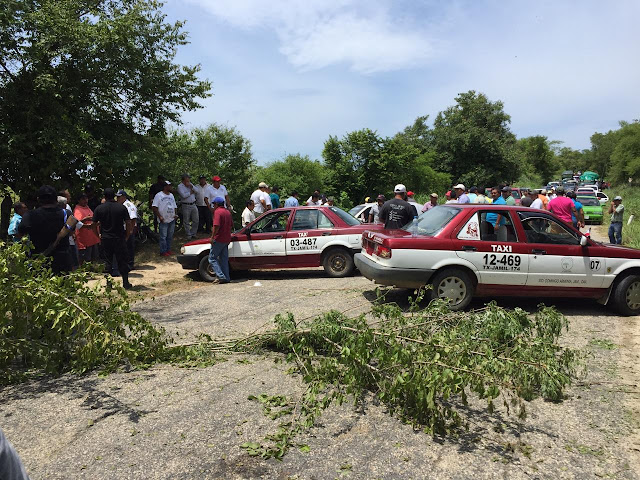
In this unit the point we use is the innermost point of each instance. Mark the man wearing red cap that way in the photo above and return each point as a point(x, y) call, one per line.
point(219, 190)
point(413, 202)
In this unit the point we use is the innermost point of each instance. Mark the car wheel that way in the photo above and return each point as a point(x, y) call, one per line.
point(626, 296)
point(205, 270)
point(453, 285)
point(338, 263)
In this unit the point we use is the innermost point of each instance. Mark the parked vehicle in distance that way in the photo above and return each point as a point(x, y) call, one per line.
point(602, 198)
point(294, 237)
point(460, 253)
point(591, 208)
point(361, 212)
point(585, 191)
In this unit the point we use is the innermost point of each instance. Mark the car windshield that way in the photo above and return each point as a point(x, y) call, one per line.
point(515, 194)
point(589, 201)
point(431, 222)
point(346, 217)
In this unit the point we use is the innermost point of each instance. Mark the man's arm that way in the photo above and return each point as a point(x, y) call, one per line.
point(129, 224)
point(226, 199)
point(498, 220)
point(160, 217)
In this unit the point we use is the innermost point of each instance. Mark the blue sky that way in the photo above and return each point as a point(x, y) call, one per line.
point(287, 74)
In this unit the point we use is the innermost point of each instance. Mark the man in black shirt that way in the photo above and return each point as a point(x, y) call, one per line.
point(44, 225)
point(112, 218)
point(397, 212)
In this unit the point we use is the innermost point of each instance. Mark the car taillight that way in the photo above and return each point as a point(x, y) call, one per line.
point(382, 251)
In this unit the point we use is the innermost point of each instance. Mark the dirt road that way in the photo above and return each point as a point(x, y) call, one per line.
point(171, 423)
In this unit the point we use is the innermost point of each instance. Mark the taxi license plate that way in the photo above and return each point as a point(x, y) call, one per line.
point(586, 217)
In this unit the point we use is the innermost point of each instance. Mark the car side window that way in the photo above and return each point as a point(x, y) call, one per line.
point(310, 219)
point(547, 230)
point(272, 222)
point(497, 226)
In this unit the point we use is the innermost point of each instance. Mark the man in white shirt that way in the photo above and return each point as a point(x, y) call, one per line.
point(190, 217)
point(203, 195)
point(123, 198)
point(314, 200)
point(164, 206)
point(261, 199)
point(247, 214)
point(537, 201)
point(219, 190)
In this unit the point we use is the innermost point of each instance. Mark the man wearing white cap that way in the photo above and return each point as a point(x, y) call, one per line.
point(261, 199)
point(462, 197)
point(397, 212)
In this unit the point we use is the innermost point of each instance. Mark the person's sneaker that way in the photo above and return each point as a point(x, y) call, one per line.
point(169, 253)
point(165, 254)
point(215, 281)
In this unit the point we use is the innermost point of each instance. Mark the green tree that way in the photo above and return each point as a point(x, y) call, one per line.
point(537, 156)
point(418, 135)
point(602, 145)
point(625, 158)
point(213, 150)
point(473, 142)
point(570, 159)
point(293, 172)
point(86, 87)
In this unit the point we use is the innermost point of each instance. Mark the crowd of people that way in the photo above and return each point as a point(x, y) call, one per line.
point(101, 228)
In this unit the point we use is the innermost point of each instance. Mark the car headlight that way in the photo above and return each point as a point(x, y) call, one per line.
point(182, 250)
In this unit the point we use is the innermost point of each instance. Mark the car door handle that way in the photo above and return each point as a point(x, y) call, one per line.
point(536, 251)
point(277, 237)
point(326, 234)
point(469, 248)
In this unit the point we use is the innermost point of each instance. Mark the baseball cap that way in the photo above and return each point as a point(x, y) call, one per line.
point(434, 195)
point(121, 193)
point(410, 193)
point(506, 189)
point(380, 197)
point(186, 175)
point(202, 176)
point(218, 200)
point(400, 188)
point(262, 185)
point(460, 185)
point(617, 197)
point(216, 178)
point(473, 189)
point(167, 182)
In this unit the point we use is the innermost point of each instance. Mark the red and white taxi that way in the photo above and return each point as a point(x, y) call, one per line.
point(287, 238)
point(484, 250)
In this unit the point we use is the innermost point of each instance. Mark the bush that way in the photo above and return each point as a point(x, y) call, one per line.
point(60, 323)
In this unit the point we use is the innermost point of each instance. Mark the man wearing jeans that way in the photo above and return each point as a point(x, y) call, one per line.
point(220, 239)
point(164, 206)
point(616, 209)
point(190, 217)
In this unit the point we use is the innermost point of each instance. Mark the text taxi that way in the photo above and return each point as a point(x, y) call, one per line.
point(482, 250)
point(287, 238)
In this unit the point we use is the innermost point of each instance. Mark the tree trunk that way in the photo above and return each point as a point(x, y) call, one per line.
point(5, 216)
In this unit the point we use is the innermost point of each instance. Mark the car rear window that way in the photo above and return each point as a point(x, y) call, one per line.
point(589, 201)
point(431, 222)
point(346, 218)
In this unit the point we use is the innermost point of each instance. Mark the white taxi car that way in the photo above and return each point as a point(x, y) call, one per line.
point(460, 252)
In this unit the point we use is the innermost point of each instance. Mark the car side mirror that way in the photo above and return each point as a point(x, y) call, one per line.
point(583, 241)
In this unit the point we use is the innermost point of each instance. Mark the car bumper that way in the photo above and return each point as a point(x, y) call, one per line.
point(398, 277)
point(189, 262)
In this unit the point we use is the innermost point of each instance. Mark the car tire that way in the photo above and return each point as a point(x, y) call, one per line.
point(205, 270)
point(338, 262)
point(626, 296)
point(454, 284)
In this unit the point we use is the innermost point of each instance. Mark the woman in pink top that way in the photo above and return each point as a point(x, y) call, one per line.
point(86, 238)
point(562, 206)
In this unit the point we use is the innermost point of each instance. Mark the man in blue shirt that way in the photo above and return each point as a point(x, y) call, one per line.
point(275, 198)
point(495, 219)
point(462, 197)
point(20, 209)
point(292, 201)
point(578, 222)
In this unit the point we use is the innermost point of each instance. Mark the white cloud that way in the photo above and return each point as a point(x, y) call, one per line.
point(316, 34)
